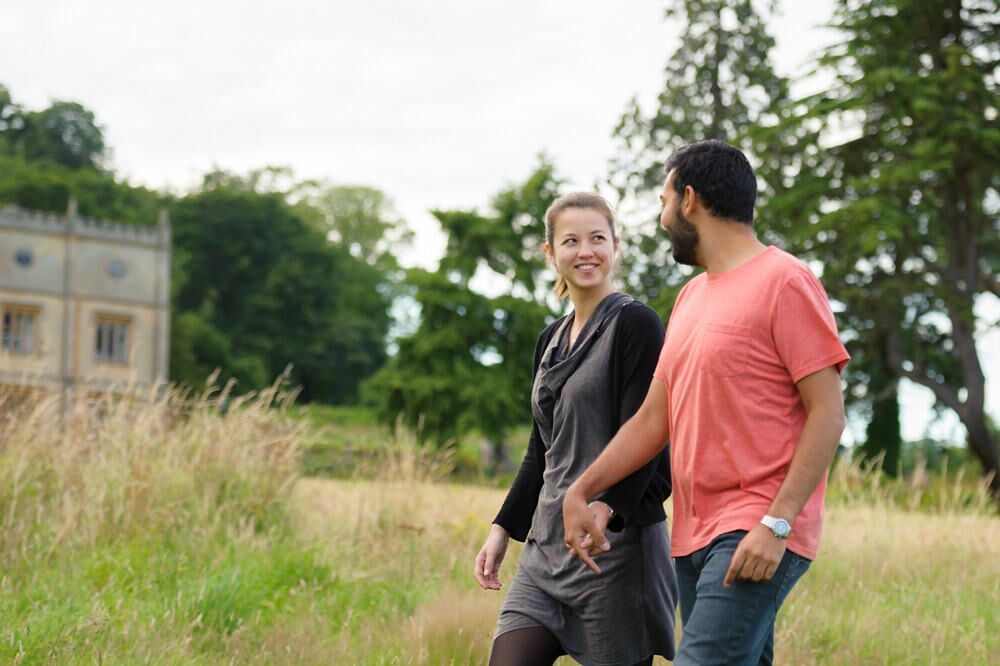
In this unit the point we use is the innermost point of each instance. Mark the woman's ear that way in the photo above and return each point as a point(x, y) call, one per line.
point(547, 251)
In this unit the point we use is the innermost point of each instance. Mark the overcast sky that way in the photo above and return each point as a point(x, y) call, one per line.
point(440, 103)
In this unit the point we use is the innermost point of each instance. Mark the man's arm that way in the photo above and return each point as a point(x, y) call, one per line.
point(759, 553)
point(635, 444)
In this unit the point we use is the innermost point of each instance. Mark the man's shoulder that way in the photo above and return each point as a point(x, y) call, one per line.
point(783, 267)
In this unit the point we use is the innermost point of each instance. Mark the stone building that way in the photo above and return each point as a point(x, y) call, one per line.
point(84, 304)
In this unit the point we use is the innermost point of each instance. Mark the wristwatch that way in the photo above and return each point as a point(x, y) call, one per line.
point(778, 526)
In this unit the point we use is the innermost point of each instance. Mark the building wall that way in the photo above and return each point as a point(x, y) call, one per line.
point(44, 367)
point(80, 270)
point(141, 366)
point(48, 253)
point(92, 274)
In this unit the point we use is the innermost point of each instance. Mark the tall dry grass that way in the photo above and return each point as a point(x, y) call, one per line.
point(147, 529)
point(909, 571)
point(176, 529)
point(862, 483)
point(120, 467)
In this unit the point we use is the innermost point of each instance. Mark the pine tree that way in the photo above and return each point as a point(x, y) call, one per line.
point(718, 83)
point(893, 186)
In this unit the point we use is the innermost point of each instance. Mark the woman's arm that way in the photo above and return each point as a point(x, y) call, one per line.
point(519, 506)
point(514, 519)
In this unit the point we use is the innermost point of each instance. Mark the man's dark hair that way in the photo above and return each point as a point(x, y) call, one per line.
point(720, 174)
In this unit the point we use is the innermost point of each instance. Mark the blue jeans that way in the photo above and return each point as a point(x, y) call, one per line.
point(735, 624)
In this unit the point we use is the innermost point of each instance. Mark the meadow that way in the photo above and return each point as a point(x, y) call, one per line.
point(180, 529)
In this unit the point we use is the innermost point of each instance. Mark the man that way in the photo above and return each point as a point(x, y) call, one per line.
point(747, 389)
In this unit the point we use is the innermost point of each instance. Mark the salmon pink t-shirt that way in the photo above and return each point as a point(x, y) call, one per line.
point(736, 344)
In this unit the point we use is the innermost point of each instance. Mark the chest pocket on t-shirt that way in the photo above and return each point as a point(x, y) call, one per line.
point(725, 349)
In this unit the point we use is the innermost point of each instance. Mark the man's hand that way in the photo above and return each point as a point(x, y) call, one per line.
point(583, 533)
point(757, 557)
point(602, 516)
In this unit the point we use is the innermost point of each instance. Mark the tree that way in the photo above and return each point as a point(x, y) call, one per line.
point(718, 84)
point(468, 365)
point(49, 156)
point(893, 187)
point(263, 289)
point(360, 219)
point(45, 185)
point(11, 119)
point(66, 133)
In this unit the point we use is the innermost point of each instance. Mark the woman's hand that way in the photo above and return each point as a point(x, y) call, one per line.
point(602, 516)
point(490, 558)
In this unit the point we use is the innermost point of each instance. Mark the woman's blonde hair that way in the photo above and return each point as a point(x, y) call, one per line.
point(576, 200)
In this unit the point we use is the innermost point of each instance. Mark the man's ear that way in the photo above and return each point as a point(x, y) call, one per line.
point(690, 201)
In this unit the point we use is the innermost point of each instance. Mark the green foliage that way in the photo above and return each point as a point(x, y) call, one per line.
point(263, 289)
point(359, 219)
point(65, 133)
point(45, 185)
point(468, 365)
point(900, 204)
point(883, 437)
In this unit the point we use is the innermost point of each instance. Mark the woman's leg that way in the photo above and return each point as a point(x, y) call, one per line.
point(532, 646)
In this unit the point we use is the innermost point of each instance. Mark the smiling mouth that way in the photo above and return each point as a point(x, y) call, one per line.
point(586, 268)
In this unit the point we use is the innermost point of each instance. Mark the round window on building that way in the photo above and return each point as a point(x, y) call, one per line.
point(23, 258)
point(116, 269)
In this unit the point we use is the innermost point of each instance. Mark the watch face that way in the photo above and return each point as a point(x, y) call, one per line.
point(782, 528)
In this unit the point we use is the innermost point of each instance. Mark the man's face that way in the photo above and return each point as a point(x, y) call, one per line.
point(683, 234)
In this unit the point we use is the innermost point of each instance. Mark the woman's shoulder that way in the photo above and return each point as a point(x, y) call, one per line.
point(637, 315)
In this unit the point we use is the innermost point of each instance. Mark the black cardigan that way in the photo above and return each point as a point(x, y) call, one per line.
point(638, 498)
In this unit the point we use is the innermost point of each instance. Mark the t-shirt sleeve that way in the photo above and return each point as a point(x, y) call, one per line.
point(660, 371)
point(804, 329)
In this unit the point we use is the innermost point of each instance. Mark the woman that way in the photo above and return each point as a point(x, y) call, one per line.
point(592, 370)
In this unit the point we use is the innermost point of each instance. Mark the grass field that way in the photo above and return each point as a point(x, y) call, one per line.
point(889, 587)
point(175, 532)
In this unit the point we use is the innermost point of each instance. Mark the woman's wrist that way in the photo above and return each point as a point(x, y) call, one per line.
point(498, 529)
point(607, 507)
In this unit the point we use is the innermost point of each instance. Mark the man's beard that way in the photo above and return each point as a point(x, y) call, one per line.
point(683, 239)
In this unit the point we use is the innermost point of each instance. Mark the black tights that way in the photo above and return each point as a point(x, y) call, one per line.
point(534, 646)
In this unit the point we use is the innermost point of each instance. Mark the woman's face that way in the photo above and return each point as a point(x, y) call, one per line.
point(583, 249)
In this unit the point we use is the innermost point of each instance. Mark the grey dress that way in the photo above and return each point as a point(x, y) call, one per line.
point(627, 613)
